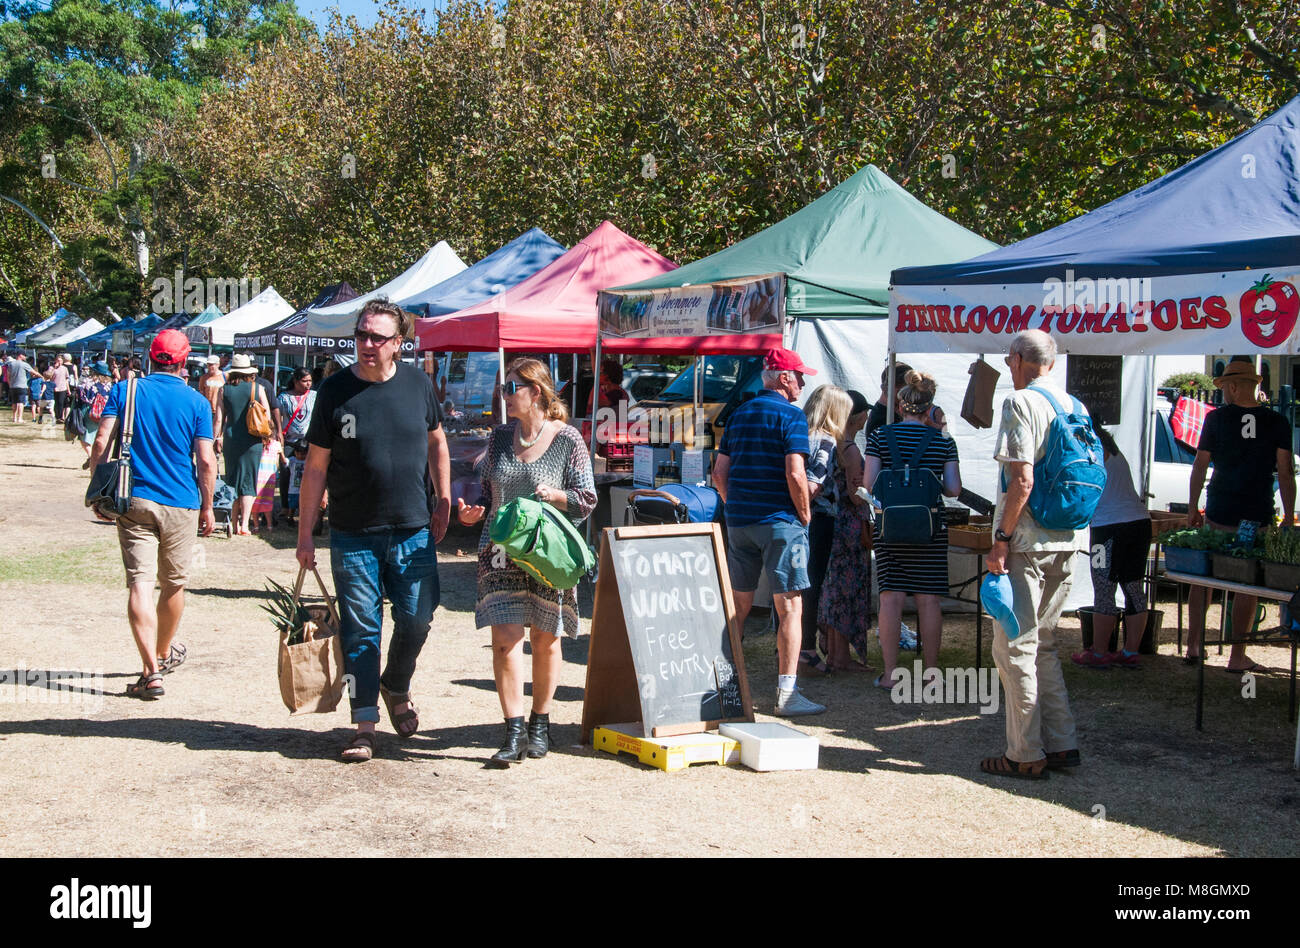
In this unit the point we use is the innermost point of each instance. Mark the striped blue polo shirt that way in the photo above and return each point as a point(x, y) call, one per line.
point(757, 437)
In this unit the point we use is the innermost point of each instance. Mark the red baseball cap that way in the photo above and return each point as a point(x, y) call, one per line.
point(170, 347)
point(783, 360)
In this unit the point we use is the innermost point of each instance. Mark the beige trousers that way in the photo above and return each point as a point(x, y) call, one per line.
point(1037, 708)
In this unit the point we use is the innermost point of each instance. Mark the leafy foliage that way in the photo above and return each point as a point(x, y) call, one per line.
point(301, 158)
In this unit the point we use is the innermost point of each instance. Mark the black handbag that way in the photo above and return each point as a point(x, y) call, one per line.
point(109, 492)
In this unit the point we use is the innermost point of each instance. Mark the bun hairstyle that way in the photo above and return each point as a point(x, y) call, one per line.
point(918, 394)
point(533, 372)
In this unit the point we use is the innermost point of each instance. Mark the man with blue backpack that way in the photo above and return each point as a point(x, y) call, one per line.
point(1052, 476)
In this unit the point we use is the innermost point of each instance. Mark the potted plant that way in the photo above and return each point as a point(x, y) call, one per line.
point(1189, 550)
point(1281, 555)
point(1238, 564)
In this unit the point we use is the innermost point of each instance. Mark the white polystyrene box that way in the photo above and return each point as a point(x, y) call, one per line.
point(770, 746)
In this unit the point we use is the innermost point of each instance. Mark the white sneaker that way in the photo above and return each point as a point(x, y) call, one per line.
point(790, 704)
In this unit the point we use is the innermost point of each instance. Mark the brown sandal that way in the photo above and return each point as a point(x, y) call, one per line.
point(399, 721)
point(360, 749)
point(1006, 767)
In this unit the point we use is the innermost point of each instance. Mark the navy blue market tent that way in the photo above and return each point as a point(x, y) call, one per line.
point(1233, 208)
point(495, 273)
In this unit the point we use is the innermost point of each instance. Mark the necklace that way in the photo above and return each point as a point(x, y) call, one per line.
point(519, 433)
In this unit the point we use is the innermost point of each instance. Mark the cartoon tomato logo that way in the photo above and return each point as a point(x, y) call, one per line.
point(1268, 312)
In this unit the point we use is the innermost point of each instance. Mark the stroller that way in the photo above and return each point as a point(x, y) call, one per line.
point(673, 503)
point(223, 503)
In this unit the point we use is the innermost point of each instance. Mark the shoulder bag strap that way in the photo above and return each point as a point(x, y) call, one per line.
point(1051, 399)
point(927, 437)
point(895, 460)
point(128, 423)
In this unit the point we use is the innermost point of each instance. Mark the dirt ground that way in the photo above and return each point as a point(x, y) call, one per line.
point(218, 767)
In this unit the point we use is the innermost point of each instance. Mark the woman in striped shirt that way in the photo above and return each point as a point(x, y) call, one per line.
point(922, 568)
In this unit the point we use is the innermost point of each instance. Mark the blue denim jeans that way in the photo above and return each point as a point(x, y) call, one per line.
point(401, 565)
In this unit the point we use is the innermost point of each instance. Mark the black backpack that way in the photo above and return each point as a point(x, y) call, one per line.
point(908, 494)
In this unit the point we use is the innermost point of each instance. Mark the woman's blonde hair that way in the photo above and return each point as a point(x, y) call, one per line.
point(828, 409)
point(918, 394)
point(534, 373)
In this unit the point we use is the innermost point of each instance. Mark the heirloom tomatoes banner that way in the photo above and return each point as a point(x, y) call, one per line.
point(1190, 314)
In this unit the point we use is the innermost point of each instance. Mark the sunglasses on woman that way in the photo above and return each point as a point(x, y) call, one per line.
point(512, 386)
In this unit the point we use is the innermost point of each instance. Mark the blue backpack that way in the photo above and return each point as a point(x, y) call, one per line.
point(1070, 479)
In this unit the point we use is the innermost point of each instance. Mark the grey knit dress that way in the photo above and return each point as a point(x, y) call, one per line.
point(506, 594)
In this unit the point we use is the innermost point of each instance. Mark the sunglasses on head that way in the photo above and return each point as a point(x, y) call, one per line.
point(512, 386)
point(374, 338)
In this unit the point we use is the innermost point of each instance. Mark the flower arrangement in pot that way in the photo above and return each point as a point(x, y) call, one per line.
point(1280, 548)
point(1189, 550)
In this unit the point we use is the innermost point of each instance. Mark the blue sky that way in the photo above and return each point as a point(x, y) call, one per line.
point(366, 11)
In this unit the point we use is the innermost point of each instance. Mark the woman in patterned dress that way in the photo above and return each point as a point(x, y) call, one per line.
point(844, 611)
point(917, 568)
point(534, 455)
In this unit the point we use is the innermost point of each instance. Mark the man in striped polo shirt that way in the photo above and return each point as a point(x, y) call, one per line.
point(760, 473)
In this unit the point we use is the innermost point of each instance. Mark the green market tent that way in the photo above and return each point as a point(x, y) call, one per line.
point(836, 253)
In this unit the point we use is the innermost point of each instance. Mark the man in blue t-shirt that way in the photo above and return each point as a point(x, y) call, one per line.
point(173, 471)
point(760, 473)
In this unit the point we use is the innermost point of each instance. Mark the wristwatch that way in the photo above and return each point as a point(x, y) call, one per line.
point(999, 535)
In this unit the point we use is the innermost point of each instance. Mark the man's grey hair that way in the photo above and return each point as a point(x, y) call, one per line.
point(771, 377)
point(1034, 346)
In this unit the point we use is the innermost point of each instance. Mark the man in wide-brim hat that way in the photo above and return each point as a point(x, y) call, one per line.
point(1247, 442)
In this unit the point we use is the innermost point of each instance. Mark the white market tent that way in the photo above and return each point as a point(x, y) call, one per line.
point(88, 328)
point(439, 264)
point(262, 310)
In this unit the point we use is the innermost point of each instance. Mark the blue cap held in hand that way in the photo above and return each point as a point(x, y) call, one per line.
point(998, 599)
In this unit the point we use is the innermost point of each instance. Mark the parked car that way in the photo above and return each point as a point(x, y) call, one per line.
point(645, 380)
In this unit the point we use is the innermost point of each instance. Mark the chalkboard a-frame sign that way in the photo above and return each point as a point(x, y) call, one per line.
point(665, 646)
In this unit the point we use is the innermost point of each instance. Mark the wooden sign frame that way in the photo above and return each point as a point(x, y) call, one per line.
point(611, 695)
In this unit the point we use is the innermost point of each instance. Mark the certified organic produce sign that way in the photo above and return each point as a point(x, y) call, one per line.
point(1188, 314)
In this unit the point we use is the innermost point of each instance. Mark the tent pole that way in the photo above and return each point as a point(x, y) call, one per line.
point(501, 393)
point(591, 440)
point(573, 382)
point(1148, 428)
point(889, 386)
point(275, 378)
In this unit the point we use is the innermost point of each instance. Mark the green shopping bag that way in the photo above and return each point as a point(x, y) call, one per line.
point(542, 542)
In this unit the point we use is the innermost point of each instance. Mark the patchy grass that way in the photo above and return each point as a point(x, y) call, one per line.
point(91, 564)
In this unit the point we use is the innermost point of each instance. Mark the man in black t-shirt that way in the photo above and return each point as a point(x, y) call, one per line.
point(1247, 443)
point(876, 419)
point(376, 441)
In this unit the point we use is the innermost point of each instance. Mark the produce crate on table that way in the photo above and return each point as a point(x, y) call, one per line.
point(976, 535)
point(1234, 569)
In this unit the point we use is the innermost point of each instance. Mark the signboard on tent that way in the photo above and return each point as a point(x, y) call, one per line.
point(1199, 313)
point(121, 344)
point(742, 306)
point(291, 340)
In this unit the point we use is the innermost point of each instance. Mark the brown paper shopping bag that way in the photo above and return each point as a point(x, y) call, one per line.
point(977, 405)
point(311, 671)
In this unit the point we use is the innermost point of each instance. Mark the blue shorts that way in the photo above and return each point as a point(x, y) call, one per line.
point(19, 396)
point(780, 548)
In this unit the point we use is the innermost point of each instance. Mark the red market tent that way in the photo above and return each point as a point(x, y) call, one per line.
point(554, 310)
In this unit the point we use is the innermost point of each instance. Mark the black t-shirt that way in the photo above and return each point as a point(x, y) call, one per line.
point(378, 437)
point(1243, 443)
point(876, 418)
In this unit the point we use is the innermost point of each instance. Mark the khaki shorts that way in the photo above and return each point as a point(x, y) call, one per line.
point(157, 541)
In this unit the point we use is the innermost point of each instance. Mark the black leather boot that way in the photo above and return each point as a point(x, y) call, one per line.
point(539, 735)
point(516, 744)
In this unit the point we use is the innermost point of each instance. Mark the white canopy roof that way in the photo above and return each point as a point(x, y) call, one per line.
point(88, 328)
point(262, 310)
point(439, 264)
